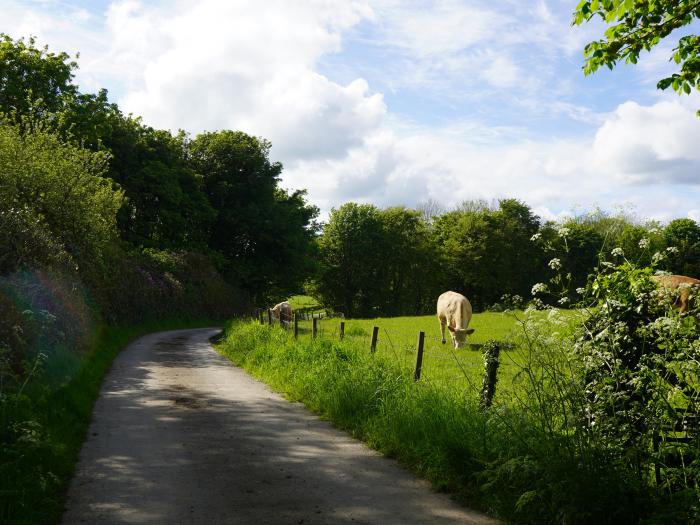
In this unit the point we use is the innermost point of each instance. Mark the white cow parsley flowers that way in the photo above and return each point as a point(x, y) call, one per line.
point(618, 252)
point(555, 263)
point(536, 237)
point(539, 288)
point(644, 243)
point(657, 257)
point(563, 231)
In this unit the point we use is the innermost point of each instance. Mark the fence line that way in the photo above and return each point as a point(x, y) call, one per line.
point(428, 349)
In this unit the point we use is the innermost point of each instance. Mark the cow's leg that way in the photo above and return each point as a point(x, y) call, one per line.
point(683, 299)
point(442, 330)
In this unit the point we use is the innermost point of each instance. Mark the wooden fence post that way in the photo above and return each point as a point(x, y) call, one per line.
point(296, 326)
point(262, 317)
point(419, 356)
point(342, 330)
point(269, 316)
point(314, 327)
point(373, 343)
point(491, 362)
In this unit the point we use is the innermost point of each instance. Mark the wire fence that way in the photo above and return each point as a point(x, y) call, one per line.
point(426, 356)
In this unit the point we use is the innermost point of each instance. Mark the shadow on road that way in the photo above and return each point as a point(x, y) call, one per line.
point(181, 436)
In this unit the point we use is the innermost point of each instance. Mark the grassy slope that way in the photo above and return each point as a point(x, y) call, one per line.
point(34, 477)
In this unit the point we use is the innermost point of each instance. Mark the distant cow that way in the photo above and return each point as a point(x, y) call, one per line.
point(455, 312)
point(282, 310)
point(672, 283)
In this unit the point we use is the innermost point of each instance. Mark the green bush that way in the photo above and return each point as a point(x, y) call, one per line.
point(57, 188)
point(641, 361)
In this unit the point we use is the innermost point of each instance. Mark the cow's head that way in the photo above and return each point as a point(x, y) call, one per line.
point(459, 336)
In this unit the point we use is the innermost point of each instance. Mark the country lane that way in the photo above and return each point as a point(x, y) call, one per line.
point(181, 436)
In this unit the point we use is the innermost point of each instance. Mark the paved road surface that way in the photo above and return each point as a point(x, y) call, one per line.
point(180, 436)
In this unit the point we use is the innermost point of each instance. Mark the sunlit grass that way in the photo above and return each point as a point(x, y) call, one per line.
point(436, 426)
point(303, 301)
point(461, 368)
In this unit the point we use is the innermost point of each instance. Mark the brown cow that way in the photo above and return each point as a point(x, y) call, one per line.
point(455, 312)
point(283, 310)
point(672, 283)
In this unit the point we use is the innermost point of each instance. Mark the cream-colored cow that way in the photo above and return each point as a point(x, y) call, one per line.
point(283, 310)
point(672, 283)
point(455, 312)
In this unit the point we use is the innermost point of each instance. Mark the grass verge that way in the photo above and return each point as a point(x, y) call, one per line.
point(516, 462)
point(44, 427)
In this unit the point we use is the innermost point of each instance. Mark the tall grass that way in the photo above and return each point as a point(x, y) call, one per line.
point(43, 426)
point(523, 460)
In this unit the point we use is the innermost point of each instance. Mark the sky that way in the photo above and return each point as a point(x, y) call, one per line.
point(397, 102)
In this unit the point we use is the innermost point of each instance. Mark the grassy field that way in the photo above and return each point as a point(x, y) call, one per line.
point(462, 368)
point(303, 301)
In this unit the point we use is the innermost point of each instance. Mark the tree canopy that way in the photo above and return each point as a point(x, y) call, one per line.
point(639, 25)
point(34, 83)
point(217, 193)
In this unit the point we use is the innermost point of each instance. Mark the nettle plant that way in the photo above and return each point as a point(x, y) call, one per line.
point(641, 363)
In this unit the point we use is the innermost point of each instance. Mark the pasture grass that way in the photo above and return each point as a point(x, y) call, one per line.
point(303, 301)
point(518, 460)
point(42, 429)
point(462, 368)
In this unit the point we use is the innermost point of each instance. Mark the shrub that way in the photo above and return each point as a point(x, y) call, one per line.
point(60, 194)
point(641, 362)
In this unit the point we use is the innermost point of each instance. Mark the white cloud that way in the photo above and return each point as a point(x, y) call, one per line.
point(652, 144)
point(243, 65)
point(254, 66)
point(410, 165)
point(502, 72)
point(443, 27)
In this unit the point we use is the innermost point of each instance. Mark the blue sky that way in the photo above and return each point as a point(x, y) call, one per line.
point(397, 102)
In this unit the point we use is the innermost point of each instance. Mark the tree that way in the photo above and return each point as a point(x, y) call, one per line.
point(684, 236)
point(573, 249)
point(351, 254)
point(640, 25)
point(33, 82)
point(488, 251)
point(265, 233)
point(410, 268)
point(166, 206)
point(165, 203)
point(54, 197)
point(518, 260)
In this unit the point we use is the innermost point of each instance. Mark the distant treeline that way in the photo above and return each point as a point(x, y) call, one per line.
point(396, 261)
